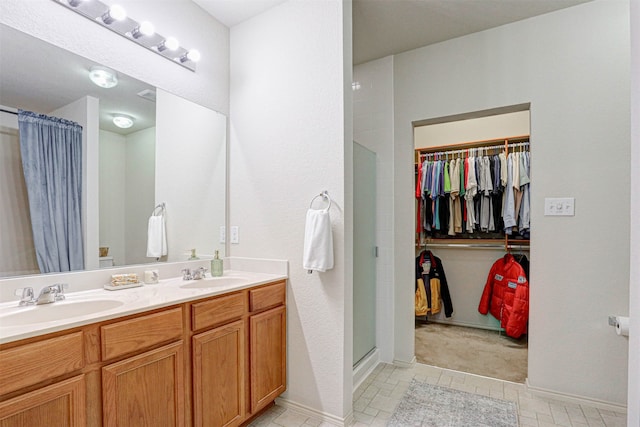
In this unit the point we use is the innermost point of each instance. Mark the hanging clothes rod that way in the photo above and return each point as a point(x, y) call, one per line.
point(425, 153)
point(492, 246)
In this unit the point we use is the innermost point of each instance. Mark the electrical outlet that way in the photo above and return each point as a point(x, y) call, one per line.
point(223, 234)
point(235, 234)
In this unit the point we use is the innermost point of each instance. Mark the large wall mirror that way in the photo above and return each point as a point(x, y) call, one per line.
point(173, 154)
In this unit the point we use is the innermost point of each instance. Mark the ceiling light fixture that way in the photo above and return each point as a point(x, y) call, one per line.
point(123, 121)
point(103, 76)
point(144, 29)
point(115, 18)
point(115, 13)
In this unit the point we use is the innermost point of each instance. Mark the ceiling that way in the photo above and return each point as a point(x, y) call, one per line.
point(40, 77)
point(387, 27)
point(380, 28)
point(232, 12)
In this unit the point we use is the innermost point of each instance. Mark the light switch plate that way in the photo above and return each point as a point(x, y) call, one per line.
point(559, 206)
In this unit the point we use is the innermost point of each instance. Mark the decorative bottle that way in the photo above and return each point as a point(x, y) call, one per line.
point(216, 266)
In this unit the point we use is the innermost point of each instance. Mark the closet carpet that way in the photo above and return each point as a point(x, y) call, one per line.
point(471, 350)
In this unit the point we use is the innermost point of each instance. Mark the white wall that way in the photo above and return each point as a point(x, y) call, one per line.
point(208, 86)
point(139, 193)
point(289, 142)
point(190, 174)
point(465, 129)
point(127, 193)
point(373, 128)
point(17, 251)
point(633, 414)
point(112, 185)
point(577, 79)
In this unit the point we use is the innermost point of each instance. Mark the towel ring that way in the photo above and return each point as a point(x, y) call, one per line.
point(325, 196)
point(161, 206)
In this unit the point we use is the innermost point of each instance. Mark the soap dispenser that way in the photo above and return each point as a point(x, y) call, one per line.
point(216, 265)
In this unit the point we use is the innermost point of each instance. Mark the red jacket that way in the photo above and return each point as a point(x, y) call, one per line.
point(506, 296)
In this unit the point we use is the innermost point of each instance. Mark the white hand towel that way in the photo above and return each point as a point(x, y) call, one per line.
point(318, 241)
point(156, 237)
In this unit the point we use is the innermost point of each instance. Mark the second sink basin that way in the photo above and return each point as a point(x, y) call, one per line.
point(56, 311)
point(214, 282)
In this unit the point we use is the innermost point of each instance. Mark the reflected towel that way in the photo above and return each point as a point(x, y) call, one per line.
point(318, 241)
point(156, 237)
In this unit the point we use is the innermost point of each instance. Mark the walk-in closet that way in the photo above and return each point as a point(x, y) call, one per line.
point(472, 203)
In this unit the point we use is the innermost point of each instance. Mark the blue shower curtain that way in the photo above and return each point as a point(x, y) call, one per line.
point(51, 150)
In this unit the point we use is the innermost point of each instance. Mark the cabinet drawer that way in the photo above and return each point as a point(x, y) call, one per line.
point(217, 311)
point(32, 363)
point(267, 297)
point(141, 333)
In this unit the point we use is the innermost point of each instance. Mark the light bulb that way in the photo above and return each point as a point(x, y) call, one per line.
point(123, 121)
point(193, 55)
point(170, 43)
point(144, 29)
point(103, 77)
point(115, 13)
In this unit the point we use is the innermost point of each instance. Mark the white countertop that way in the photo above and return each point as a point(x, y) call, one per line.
point(17, 322)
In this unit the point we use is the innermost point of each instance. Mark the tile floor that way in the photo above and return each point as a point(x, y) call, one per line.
point(377, 397)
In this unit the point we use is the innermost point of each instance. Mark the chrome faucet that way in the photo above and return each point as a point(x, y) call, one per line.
point(199, 273)
point(48, 294)
point(196, 274)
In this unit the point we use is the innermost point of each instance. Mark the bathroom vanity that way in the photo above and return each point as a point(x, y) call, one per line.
point(181, 353)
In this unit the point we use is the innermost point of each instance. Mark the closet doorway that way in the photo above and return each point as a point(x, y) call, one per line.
point(364, 252)
point(464, 339)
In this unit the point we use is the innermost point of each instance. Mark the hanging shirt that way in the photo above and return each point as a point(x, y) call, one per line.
point(503, 169)
point(525, 207)
point(516, 184)
point(486, 207)
point(508, 213)
point(447, 178)
point(472, 190)
point(419, 197)
point(496, 194)
point(454, 196)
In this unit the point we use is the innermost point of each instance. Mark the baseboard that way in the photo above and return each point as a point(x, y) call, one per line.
point(572, 398)
point(466, 324)
point(365, 367)
point(405, 364)
point(310, 412)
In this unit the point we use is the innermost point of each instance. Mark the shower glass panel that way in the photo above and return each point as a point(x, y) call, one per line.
point(364, 252)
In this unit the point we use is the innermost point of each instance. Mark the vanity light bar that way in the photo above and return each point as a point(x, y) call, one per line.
point(114, 18)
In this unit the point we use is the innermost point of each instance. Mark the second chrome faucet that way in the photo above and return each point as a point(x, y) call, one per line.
point(195, 274)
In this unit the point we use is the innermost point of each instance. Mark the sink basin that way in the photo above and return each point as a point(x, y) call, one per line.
point(214, 282)
point(56, 311)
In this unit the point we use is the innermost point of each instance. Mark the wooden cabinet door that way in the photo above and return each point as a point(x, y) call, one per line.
point(218, 376)
point(145, 390)
point(61, 405)
point(268, 356)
